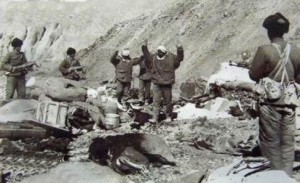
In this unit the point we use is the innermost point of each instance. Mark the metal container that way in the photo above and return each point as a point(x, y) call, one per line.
point(111, 121)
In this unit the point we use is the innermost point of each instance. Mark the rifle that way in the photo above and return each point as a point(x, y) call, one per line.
point(24, 67)
point(240, 64)
point(76, 68)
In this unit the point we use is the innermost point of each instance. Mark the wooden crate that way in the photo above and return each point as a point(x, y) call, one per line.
point(52, 113)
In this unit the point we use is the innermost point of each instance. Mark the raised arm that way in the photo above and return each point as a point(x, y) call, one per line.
point(147, 55)
point(138, 60)
point(114, 58)
point(180, 55)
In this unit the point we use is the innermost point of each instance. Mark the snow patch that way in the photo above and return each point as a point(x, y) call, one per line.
point(230, 73)
point(215, 111)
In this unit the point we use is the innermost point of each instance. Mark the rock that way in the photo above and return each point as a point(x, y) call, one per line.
point(274, 176)
point(79, 173)
point(18, 110)
point(187, 90)
point(225, 175)
point(58, 89)
point(195, 177)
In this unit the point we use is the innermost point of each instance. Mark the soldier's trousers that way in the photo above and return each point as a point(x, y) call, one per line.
point(144, 89)
point(123, 90)
point(276, 135)
point(162, 92)
point(14, 83)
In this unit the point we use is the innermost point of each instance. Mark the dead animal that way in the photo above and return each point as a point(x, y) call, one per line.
point(130, 152)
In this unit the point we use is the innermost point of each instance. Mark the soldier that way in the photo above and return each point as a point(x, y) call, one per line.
point(123, 64)
point(144, 83)
point(276, 121)
point(163, 65)
point(70, 68)
point(15, 79)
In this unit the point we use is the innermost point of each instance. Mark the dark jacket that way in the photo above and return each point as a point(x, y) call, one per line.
point(124, 67)
point(267, 57)
point(12, 59)
point(163, 71)
point(66, 64)
point(145, 72)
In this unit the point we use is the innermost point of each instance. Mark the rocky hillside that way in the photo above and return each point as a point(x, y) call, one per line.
point(210, 31)
point(49, 27)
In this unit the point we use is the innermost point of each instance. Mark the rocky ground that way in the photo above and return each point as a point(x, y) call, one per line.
point(30, 157)
point(210, 31)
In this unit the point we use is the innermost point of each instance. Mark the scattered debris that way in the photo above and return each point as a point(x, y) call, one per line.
point(78, 172)
point(130, 152)
point(248, 170)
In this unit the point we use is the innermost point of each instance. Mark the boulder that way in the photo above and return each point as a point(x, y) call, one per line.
point(18, 110)
point(195, 177)
point(58, 89)
point(78, 172)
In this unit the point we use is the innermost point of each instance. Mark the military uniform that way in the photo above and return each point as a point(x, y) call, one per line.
point(163, 77)
point(145, 77)
point(277, 124)
point(65, 65)
point(123, 73)
point(16, 80)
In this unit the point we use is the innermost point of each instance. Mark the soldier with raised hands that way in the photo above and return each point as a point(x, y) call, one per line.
point(123, 68)
point(162, 65)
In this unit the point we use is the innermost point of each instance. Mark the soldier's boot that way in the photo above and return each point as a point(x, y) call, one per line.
point(168, 119)
point(146, 102)
point(153, 120)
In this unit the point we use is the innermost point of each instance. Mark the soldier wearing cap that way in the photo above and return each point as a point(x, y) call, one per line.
point(277, 123)
point(163, 65)
point(123, 69)
point(15, 80)
point(68, 65)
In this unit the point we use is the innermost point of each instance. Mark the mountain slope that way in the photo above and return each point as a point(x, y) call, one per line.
point(210, 31)
point(48, 28)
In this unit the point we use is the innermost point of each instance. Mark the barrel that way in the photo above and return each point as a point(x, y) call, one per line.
point(111, 121)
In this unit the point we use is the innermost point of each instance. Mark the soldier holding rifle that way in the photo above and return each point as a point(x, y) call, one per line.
point(16, 66)
point(70, 68)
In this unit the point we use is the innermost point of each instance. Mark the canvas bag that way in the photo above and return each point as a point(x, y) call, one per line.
point(271, 90)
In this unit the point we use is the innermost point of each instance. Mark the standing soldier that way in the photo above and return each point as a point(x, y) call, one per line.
point(123, 64)
point(15, 79)
point(163, 65)
point(276, 121)
point(70, 68)
point(144, 83)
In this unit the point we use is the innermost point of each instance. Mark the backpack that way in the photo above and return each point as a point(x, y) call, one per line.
point(284, 91)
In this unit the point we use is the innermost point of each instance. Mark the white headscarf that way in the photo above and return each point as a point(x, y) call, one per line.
point(162, 48)
point(125, 52)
